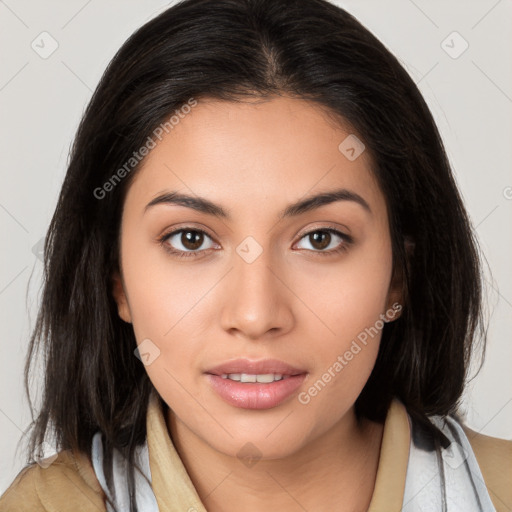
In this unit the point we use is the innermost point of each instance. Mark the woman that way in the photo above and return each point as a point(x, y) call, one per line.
point(261, 285)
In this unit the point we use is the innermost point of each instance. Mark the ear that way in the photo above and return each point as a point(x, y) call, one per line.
point(396, 294)
point(394, 302)
point(119, 295)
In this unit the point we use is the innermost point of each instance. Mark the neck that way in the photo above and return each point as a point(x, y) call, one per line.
point(336, 471)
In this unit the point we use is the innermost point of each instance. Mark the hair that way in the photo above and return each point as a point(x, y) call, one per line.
point(237, 50)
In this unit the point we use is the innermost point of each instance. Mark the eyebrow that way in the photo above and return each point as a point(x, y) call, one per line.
point(203, 205)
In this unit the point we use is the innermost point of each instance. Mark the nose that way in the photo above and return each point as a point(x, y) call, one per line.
point(257, 303)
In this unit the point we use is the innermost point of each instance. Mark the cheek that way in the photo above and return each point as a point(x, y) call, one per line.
point(348, 326)
point(349, 296)
point(161, 292)
point(170, 305)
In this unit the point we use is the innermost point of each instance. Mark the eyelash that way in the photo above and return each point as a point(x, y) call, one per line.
point(347, 241)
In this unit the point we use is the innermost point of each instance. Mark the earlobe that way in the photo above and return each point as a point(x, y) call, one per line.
point(396, 296)
point(394, 303)
point(119, 295)
point(394, 307)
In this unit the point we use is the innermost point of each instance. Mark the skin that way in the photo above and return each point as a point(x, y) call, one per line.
point(292, 303)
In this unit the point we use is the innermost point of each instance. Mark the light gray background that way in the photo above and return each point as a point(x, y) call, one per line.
point(41, 101)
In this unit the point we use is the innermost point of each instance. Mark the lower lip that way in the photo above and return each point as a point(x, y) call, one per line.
point(255, 395)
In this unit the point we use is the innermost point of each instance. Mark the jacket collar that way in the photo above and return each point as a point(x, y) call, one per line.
point(175, 491)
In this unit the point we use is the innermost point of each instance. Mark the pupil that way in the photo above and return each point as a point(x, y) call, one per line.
point(192, 239)
point(324, 237)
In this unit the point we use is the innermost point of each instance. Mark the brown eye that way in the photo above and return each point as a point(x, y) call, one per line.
point(326, 241)
point(320, 239)
point(191, 240)
point(185, 241)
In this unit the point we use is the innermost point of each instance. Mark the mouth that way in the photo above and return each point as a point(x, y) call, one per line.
point(261, 368)
point(263, 378)
point(260, 384)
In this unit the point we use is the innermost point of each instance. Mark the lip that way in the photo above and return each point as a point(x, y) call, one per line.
point(255, 395)
point(260, 367)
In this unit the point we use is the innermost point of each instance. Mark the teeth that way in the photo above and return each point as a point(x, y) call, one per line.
point(247, 377)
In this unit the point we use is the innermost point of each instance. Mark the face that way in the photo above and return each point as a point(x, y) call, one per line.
point(236, 273)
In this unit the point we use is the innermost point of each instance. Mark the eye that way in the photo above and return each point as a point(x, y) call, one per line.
point(190, 242)
point(327, 241)
point(186, 242)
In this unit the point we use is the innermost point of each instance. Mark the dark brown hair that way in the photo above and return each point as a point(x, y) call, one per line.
point(231, 50)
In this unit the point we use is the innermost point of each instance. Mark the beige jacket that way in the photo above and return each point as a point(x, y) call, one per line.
point(70, 484)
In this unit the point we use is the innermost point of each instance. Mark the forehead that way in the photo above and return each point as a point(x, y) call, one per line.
point(252, 154)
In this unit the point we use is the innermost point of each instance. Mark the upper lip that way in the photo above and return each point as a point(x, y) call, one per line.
point(260, 367)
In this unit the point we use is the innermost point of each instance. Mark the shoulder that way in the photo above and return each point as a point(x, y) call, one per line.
point(68, 483)
point(494, 457)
